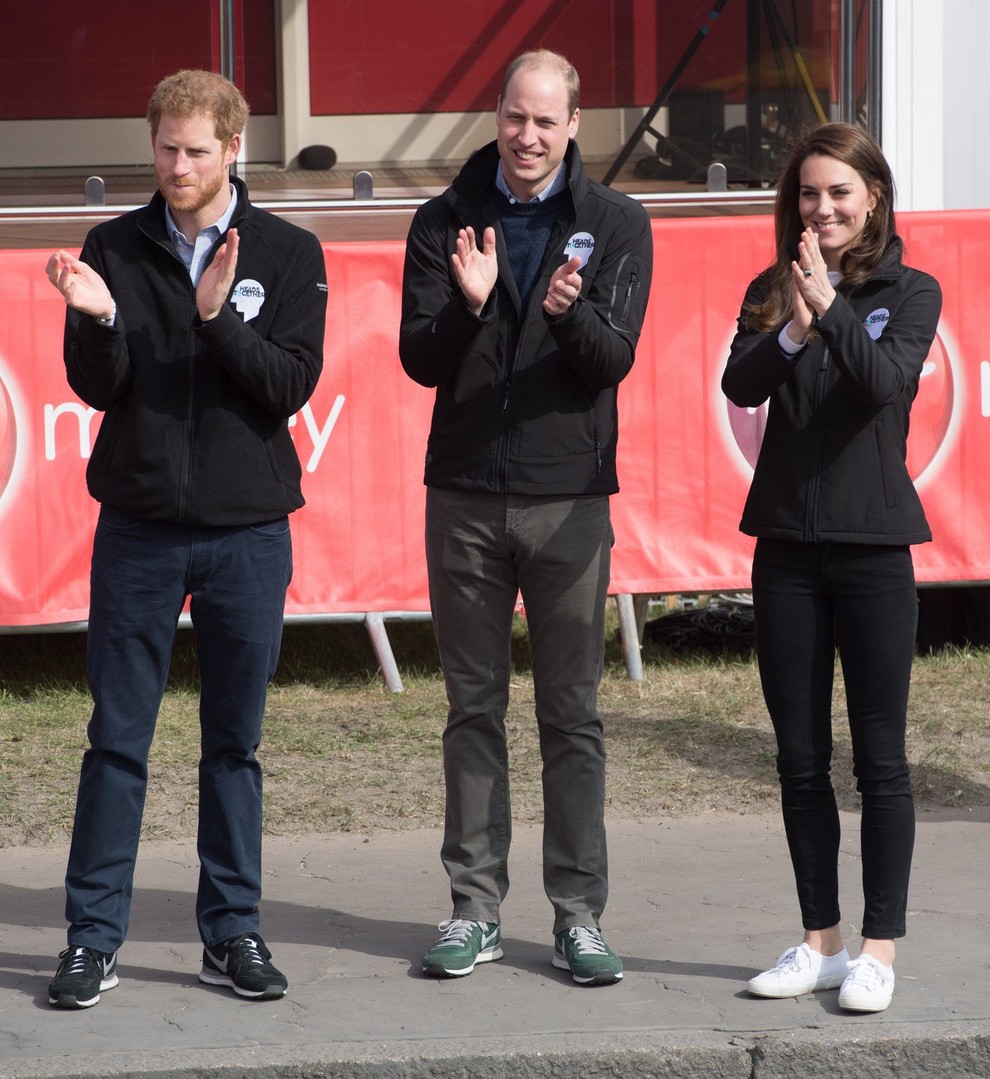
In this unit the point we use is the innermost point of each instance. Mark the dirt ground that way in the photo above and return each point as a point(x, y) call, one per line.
point(692, 737)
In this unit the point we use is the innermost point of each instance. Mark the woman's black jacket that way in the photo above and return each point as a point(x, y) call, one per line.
point(832, 463)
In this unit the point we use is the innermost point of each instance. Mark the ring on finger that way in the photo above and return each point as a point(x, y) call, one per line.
point(808, 271)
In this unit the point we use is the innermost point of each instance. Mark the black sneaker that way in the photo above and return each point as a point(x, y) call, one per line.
point(81, 976)
point(242, 963)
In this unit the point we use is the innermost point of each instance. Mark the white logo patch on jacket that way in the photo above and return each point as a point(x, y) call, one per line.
point(876, 322)
point(581, 245)
point(247, 297)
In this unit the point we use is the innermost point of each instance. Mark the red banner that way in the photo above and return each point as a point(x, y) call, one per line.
point(684, 454)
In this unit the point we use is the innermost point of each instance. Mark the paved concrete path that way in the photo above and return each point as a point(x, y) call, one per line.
point(698, 905)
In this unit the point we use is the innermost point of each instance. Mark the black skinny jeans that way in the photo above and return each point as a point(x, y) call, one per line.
point(810, 599)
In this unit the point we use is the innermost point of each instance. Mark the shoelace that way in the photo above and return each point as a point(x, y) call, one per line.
point(455, 931)
point(250, 952)
point(588, 941)
point(792, 960)
point(78, 961)
point(866, 972)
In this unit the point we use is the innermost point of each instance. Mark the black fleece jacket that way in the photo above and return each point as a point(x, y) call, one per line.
point(525, 403)
point(196, 414)
point(832, 463)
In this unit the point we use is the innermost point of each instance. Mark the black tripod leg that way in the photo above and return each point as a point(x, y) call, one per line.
point(668, 86)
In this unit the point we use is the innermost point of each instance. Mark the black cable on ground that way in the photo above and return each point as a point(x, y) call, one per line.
point(711, 628)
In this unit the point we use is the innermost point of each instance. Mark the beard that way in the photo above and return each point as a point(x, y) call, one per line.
point(196, 193)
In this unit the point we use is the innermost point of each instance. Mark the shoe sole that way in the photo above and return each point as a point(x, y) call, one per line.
point(825, 983)
point(272, 992)
point(437, 970)
point(600, 977)
point(66, 1000)
point(71, 1002)
point(769, 994)
point(863, 1006)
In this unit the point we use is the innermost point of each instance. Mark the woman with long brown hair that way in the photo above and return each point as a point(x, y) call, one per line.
point(834, 335)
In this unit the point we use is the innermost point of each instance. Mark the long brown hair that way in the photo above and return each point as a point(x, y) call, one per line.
point(851, 145)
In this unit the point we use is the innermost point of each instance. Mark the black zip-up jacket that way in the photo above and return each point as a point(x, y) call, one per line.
point(832, 464)
point(196, 414)
point(525, 403)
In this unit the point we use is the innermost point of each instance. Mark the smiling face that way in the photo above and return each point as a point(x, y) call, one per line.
point(191, 169)
point(834, 201)
point(534, 126)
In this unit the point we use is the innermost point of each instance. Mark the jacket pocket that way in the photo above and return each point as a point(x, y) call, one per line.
point(625, 294)
point(883, 457)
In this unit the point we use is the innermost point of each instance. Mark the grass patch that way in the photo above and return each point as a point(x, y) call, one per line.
point(343, 754)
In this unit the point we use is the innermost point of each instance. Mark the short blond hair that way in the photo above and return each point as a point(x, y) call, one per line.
point(192, 92)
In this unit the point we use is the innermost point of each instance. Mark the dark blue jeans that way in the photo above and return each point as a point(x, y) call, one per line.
point(142, 572)
point(810, 599)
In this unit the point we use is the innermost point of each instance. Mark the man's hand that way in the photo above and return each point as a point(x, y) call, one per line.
point(564, 288)
point(214, 285)
point(476, 269)
point(81, 286)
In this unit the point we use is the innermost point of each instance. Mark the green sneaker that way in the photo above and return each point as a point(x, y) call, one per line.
point(462, 945)
point(582, 950)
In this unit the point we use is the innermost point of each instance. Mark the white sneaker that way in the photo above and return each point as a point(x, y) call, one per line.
point(868, 987)
point(800, 970)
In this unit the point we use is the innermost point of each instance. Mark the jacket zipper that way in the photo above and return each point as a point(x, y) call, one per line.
point(817, 449)
point(502, 455)
point(184, 493)
point(630, 288)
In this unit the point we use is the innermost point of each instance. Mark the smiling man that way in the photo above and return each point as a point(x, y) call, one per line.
point(524, 291)
point(535, 120)
point(196, 474)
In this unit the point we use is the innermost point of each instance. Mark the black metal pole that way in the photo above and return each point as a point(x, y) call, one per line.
point(874, 76)
point(754, 93)
point(847, 62)
point(228, 62)
point(668, 86)
point(227, 52)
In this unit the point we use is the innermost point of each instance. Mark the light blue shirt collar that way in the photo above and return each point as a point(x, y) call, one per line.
point(556, 185)
point(194, 254)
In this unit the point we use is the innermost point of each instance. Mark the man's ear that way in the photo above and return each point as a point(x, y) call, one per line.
point(233, 149)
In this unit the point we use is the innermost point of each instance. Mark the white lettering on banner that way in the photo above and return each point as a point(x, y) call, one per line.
point(985, 388)
point(319, 436)
point(85, 417)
